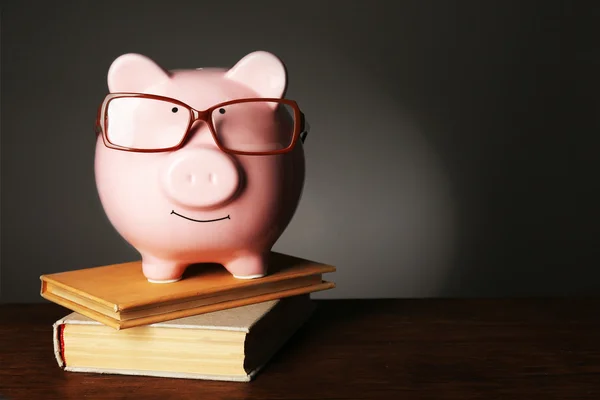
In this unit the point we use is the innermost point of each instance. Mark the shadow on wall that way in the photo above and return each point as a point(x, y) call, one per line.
point(377, 201)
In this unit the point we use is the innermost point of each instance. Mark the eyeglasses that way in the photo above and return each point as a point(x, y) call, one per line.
point(149, 123)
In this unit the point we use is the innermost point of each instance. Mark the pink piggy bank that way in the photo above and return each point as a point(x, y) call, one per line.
point(200, 165)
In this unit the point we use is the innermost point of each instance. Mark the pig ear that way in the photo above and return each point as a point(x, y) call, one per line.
point(134, 73)
point(262, 72)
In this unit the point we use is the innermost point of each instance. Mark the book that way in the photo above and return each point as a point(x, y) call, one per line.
point(227, 345)
point(121, 297)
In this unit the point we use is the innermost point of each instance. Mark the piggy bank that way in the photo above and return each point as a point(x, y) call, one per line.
point(202, 165)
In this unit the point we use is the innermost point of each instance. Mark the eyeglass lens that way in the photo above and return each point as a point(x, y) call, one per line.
point(146, 123)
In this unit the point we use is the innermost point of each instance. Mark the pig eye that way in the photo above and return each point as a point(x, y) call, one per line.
point(174, 109)
point(222, 110)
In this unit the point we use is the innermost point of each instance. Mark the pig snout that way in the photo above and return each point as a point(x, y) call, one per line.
point(200, 178)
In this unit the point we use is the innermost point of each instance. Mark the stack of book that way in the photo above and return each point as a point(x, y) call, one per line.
point(209, 325)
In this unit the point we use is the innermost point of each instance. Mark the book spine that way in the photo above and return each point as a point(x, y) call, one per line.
point(58, 342)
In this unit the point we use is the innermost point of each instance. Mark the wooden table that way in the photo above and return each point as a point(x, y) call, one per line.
point(374, 349)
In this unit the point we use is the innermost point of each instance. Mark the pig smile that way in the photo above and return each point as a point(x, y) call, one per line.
point(199, 220)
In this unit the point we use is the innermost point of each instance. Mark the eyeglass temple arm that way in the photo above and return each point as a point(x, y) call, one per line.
point(97, 127)
point(305, 128)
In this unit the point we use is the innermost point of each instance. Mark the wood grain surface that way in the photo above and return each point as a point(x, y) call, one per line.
point(357, 349)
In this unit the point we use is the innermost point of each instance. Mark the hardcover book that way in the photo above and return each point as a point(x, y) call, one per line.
point(121, 297)
point(230, 345)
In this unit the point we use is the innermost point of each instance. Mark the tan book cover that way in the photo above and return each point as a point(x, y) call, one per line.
point(231, 345)
point(121, 297)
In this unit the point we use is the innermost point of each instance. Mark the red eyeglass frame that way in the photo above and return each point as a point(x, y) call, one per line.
point(300, 125)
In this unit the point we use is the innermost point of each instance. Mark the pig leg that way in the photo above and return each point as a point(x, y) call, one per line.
point(161, 271)
point(248, 266)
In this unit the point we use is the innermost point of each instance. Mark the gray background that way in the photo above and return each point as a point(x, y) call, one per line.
point(453, 152)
